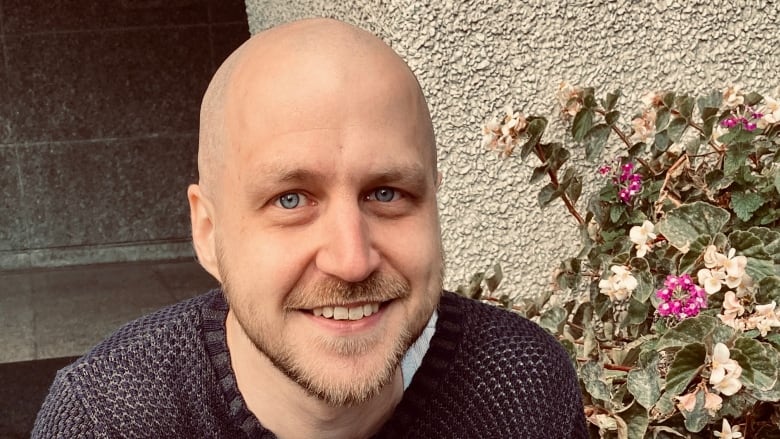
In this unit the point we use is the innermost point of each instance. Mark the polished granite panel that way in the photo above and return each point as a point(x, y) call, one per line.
point(90, 303)
point(185, 280)
point(23, 16)
point(106, 84)
point(100, 192)
point(17, 320)
point(226, 38)
point(47, 313)
point(226, 11)
point(13, 228)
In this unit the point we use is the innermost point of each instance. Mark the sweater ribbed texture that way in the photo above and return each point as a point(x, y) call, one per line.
point(487, 374)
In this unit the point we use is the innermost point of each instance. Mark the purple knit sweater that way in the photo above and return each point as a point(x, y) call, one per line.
point(487, 374)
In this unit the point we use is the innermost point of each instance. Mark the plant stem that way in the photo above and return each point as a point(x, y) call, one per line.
point(554, 180)
point(617, 131)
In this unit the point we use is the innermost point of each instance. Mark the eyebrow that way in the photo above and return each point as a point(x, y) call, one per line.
point(412, 176)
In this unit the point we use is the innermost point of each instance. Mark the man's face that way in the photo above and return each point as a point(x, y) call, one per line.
point(327, 229)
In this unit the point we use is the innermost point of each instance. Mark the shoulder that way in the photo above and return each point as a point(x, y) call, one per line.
point(143, 370)
point(497, 332)
point(516, 369)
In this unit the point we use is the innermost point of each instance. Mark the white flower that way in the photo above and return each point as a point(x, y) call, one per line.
point(686, 402)
point(711, 280)
point(712, 403)
point(733, 96)
point(733, 321)
point(620, 285)
point(730, 383)
point(770, 110)
point(711, 256)
point(641, 236)
point(765, 318)
point(734, 266)
point(746, 286)
point(568, 97)
point(726, 432)
point(718, 131)
point(732, 305)
point(644, 126)
point(725, 373)
point(652, 99)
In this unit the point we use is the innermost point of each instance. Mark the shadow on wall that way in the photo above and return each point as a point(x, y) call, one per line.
point(99, 110)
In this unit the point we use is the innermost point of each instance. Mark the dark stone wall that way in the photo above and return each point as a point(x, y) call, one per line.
point(99, 105)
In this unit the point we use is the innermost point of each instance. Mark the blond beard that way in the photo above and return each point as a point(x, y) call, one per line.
point(379, 287)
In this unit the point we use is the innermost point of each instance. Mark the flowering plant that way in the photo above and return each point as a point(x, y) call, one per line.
point(669, 312)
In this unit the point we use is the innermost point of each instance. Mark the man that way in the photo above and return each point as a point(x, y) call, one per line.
point(316, 210)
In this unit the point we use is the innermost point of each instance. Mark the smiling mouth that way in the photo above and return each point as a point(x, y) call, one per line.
point(346, 312)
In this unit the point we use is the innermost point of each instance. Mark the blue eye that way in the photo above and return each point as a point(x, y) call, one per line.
point(290, 200)
point(384, 194)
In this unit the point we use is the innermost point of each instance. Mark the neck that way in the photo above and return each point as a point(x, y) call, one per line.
point(286, 409)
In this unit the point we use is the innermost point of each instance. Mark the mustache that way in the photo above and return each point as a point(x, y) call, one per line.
point(378, 287)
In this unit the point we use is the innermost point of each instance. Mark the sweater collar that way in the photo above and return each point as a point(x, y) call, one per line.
point(436, 360)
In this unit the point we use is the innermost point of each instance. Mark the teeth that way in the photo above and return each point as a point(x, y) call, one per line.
point(345, 313)
point(340, 313)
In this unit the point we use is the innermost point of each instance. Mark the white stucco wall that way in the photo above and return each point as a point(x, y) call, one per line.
point(472, 57)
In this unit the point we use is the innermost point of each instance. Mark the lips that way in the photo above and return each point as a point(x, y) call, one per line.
point(346, 312)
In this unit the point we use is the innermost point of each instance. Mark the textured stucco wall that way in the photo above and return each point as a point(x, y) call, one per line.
point(472, 57)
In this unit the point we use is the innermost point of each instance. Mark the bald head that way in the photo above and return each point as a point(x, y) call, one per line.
point(319, 62)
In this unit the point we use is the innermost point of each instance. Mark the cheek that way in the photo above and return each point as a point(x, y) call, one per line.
point(413, 247)
point(264, 266)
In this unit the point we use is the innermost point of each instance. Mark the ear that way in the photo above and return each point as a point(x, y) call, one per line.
point(203, 233)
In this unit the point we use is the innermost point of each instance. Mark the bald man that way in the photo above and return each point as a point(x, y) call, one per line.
point(316, 211)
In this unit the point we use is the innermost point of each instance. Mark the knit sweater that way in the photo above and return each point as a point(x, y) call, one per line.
point(488, 373)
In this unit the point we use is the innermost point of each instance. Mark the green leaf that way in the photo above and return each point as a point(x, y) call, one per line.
point(709, 101)
point(611, 118)
point(759, 362)
point(695, 330)
point(645, 383)
point(662, 141)
point(547, 194)
point(759, 263)
point(683, 225)
point(574, 189)
point(686, 365)
point(771, 240)
point(637, 312)
point(595, 139)
point(777, 182)
point(553, 320)
point(582, 123)
point(645, 285)
point(697, 248)
point(539, 173)
point(753, 98)
point(736, 155)
point(696, 420)
point(665, 404)
point(591, 375)
point(611, 100)
point(668, 99)
point(745, 204)
point(494, 280)
point(534, 130)
point(637, 421)
point(615, 212)
point(684, 105)
point(769, 290)
point(661, 119)
point(676, 129)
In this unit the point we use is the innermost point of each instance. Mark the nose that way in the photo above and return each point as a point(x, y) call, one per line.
point(348, 251)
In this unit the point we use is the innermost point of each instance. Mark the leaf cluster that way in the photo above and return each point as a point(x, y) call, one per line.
point(704, 184)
